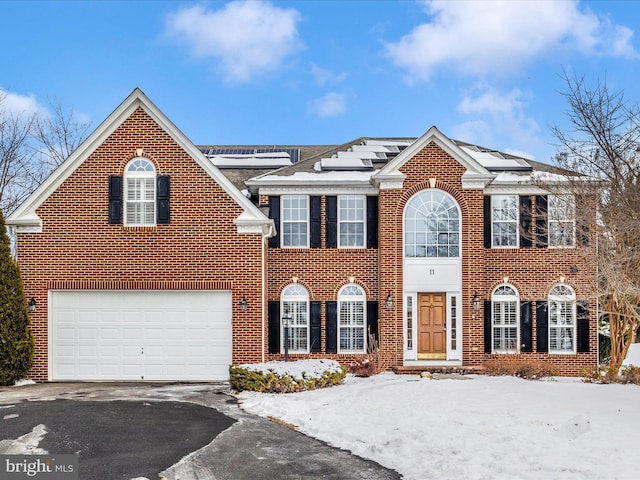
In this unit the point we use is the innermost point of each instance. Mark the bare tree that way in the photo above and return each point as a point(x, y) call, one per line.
point(16, 158)
point(604, 144)
point(59, 134)
point(32, 145)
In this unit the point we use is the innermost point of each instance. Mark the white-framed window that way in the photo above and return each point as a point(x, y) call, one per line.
point(561, 220)
point(562, 319)
point(295, 312)
point(505, 319)
point(432, 225)
point(351, 221)
point(140, 192)
point(504, 220)
point(295, 221)
point(352, 319)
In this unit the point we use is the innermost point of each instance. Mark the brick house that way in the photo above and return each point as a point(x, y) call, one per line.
point(150, 258)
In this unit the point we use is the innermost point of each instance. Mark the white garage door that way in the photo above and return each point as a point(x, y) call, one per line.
point(139, 335)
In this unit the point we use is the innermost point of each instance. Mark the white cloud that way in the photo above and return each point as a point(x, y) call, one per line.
point(478, 38)
point(18, 105)
point(323, 76)
point(245, 38)
point(330, 105)
point(499, 119)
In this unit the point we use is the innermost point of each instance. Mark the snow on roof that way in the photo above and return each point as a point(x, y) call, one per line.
point(251, 160)
point(321, 177)
point(494, 160)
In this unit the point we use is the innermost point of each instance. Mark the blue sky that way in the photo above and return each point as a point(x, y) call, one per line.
point(323, 72)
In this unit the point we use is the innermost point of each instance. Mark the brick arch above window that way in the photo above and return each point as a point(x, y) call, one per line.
point(439, 185)
point(347, 281)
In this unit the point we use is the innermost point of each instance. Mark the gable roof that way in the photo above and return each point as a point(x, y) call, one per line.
point(476, 175)
point(25, 218)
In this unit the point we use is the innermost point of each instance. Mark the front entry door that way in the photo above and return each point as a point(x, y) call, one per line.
point(432, 326)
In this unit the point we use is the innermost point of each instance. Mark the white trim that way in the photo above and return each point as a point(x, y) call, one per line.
point(295, 299)
point(516, 221)
point(475, 177)
point(307, 221)
point(363, 198)
point(404, 223)
point(300, 189)
point(143, 175)
point(362, 299)
point(495, 299)
point(571, 299)
point(25, 215)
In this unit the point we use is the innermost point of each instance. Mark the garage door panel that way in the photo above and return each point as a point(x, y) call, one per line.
point(134, 335)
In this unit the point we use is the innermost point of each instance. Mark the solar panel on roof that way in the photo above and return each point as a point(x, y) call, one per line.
point(294, 153)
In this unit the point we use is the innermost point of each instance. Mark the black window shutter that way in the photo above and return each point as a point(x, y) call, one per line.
point(487, 326)
point(162, 196)
point(487, 221)
point(274, 326)
point(526, 232)
point(115, 200)
point(583, 234)
point(331, 221)
point(331, 309)
point(372, 319)
point(315, 240)
point(542, 326)
point(542, 229)
point(372, 222)
point(315, 332)
point(582, 219)
point(274, 214)
point(583, 326)
point(526, 327)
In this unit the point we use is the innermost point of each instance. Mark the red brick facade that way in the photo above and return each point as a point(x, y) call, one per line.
point(201, 248)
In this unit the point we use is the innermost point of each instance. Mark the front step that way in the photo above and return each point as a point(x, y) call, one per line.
point(444, 369)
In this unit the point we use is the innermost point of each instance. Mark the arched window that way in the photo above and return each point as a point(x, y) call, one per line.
point(562, 319)
point(505, 319)
point(295, 312)
point(140, 192)
point(351, 319)
point(432, 225)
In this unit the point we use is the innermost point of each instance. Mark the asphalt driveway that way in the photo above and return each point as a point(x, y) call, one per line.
point(145, 437)
point(169, 431)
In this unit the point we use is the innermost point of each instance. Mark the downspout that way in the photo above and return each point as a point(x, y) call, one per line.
point(265, 236)
point(264, 293)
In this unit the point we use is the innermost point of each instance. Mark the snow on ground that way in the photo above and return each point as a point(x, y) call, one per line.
point(472, 427)
point(633, 355)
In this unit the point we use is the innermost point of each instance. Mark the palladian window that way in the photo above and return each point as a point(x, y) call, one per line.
point(432, 225)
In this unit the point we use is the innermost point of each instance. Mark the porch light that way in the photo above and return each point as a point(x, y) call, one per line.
point(31, 306)
point(243, 304)
point(389, 301)
point(476, 301)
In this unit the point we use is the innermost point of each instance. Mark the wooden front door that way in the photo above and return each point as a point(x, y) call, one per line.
point(432, 326)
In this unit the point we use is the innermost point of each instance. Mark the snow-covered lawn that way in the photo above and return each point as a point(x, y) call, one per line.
point(472, 427)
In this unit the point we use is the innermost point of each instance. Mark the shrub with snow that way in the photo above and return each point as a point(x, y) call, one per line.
point(286, 377)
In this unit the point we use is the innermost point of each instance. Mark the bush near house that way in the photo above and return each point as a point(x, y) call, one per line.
point(16, 340)
point(627, 374)
point(531, 370)
point(274, 377)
